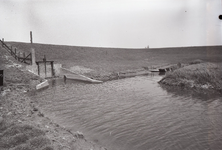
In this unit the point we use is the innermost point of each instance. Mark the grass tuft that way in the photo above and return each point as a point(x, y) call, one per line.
point(39, 142)
point(22, 137)
point(47, 148)
point(22, 147)
point(12, 141)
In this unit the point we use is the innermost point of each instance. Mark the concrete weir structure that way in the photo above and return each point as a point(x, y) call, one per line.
point(48, 70)
point(72, 75)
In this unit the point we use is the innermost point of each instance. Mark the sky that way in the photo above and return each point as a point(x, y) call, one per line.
point(113, 23)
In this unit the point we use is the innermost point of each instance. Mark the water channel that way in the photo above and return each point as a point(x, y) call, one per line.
point(136, 114)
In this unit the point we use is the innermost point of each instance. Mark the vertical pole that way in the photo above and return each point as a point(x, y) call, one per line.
point(31, 37)
point(44, 60)
point(38, 69)
point(52, 69)
point(33, 56)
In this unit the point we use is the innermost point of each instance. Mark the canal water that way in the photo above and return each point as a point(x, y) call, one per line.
point(136, 114)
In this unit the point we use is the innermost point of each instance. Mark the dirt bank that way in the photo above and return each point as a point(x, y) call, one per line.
point(201, 76)
point(22, 124)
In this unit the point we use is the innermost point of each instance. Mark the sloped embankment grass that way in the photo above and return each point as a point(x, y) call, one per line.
point(22, 137)
point(104, 60)
point(203, 76)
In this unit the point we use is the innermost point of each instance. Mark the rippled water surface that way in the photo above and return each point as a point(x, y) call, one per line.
point(137, 114)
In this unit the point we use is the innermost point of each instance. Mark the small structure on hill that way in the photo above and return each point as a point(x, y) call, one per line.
point(43, 67)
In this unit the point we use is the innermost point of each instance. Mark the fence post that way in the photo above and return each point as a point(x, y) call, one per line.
point(38, 68)
point(31, 37)
point(33, 56)
point(53, 74)
point(44, 60)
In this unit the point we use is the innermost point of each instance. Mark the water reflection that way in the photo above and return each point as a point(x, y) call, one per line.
point(202, 95)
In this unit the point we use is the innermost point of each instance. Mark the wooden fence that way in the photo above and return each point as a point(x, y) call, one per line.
point(22, 57)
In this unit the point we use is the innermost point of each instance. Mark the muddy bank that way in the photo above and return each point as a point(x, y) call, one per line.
point(22, 123)
point(200, 76)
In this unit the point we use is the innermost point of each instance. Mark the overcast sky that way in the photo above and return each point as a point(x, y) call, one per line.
point(113, 23)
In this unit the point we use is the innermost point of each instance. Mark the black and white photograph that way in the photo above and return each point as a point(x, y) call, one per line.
point(111, 75)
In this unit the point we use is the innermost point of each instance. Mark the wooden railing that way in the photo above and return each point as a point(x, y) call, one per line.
point(22, 57)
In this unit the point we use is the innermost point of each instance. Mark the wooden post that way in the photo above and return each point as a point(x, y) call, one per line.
point(44, 60)
point(31, 37)
point(52, 69)
point(33, 56)
point(38, 68)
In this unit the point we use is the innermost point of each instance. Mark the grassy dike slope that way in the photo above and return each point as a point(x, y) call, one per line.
point(104, 61)
point(197, 76)
point(22, 124)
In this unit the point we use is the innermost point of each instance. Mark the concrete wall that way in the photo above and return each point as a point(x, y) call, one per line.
point(48, 73)
point(57, 69)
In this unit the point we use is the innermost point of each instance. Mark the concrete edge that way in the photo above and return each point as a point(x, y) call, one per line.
point(80, 78)
point(42, 85)
point(75, 76)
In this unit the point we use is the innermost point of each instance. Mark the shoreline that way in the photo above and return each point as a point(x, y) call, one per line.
point(19, 110)
point(203, 76)
point(20, 82)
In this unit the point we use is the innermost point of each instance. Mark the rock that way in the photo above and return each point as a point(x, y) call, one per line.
point(79, 135)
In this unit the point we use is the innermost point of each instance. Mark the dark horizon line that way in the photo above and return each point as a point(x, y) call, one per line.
point(115, 47)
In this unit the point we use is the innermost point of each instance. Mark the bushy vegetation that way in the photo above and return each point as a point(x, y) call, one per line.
point(200, 75)
point(22, 137)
